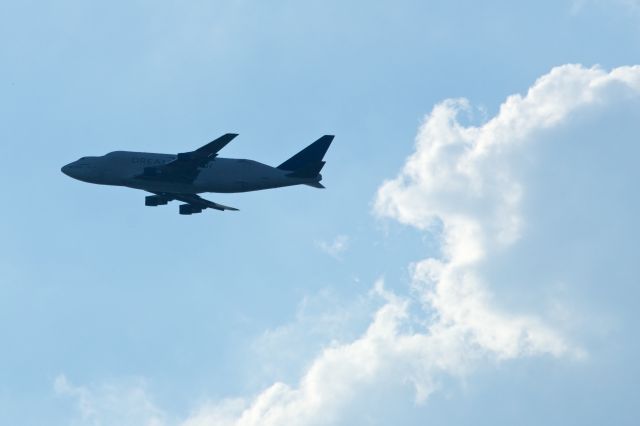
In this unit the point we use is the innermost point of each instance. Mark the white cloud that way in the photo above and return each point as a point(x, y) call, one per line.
point(473, 181)
point(382, 354)
point(510, 199)
point(336, 247)
point(321, 320)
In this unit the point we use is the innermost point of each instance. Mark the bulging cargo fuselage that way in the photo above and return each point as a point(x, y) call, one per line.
point(181, 177)
point(224, 175)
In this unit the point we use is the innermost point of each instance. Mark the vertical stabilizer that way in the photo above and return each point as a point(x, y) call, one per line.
point(310, 157)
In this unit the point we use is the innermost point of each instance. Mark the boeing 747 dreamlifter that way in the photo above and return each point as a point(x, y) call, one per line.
point(183, 176)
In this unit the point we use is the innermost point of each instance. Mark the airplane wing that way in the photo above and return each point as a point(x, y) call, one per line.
point(199, 202)
point(195, 203)
point(186, 167)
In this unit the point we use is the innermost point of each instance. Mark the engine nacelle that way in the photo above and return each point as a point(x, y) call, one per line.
point(155, 200)
point(189, 209)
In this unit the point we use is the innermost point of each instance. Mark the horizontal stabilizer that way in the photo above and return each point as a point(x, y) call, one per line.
point(316, 185)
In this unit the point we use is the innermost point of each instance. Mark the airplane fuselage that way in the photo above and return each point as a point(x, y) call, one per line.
point(223, 175)
point(183, 176)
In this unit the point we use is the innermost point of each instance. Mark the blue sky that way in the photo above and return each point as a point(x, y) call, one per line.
point(113, 313)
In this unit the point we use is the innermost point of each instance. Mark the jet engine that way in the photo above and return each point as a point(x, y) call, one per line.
point(189, 209)
point(155, 200)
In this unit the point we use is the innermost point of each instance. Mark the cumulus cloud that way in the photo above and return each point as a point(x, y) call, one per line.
point(469, 182)
point(506, 199)
point(321, 320)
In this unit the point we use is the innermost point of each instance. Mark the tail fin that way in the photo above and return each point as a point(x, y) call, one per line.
point(309, 170)
point(309, 159)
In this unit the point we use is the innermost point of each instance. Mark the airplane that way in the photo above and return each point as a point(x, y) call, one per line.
point(183, 176)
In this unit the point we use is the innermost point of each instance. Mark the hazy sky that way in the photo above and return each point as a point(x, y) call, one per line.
point(473, 259)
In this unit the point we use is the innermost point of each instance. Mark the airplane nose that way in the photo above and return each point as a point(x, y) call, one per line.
point(65, 170)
